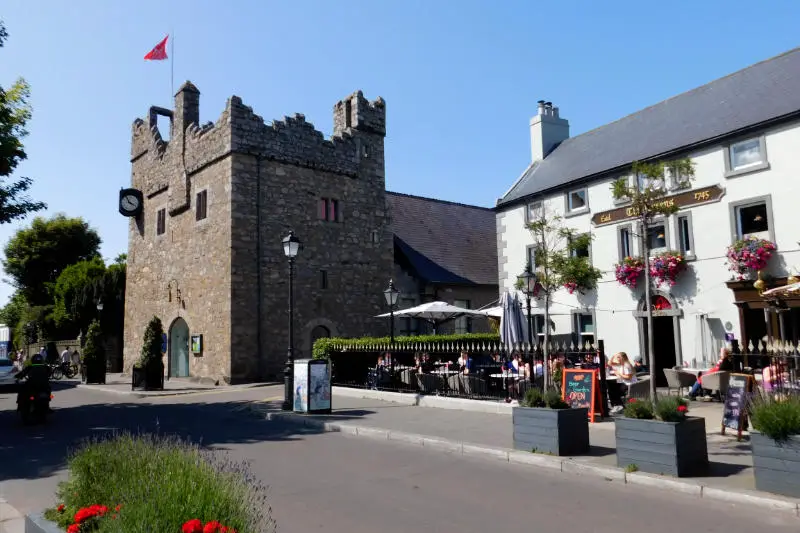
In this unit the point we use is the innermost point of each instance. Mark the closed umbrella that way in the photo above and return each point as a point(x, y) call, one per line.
point(512, 330)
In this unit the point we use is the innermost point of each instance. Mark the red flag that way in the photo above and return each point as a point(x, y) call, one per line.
point(158, 53)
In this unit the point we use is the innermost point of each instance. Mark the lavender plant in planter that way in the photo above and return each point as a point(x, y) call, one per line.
point(661, 438)
point(776, 444)
point(544, 423)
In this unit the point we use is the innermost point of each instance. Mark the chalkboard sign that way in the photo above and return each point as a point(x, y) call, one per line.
point(581, 388)
point(734, 412)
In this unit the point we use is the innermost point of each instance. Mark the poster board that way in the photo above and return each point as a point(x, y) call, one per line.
point(581, 388)
point(319, 386)
point(737, 399)
point(300, 381)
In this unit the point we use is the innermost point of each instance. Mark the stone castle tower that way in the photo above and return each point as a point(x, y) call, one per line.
point(205, 255)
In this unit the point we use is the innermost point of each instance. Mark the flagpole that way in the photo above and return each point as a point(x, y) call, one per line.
point(172, 68)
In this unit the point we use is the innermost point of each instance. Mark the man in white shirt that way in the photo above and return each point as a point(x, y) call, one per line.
point(66, 357)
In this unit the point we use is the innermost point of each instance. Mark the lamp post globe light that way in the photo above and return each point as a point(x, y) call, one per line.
point(100, 305)
point(391, 295)
point(528, 281)
point(291, 246)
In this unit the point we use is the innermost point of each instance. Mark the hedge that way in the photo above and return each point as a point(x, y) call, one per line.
point(324, 348)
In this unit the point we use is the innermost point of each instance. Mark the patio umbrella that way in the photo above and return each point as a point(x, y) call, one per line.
point(512, 328)
point(434, 312)
point(794, 287)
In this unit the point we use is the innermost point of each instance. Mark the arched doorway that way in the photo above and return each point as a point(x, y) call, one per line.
point(179, 349)
point(666, 332)
point(319, 332)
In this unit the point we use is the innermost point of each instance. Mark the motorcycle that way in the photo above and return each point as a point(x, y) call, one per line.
point(34, 406)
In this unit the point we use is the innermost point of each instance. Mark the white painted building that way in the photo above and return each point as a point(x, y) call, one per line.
point(743, 134)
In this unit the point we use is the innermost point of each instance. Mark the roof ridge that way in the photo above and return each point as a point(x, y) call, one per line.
point(689, 91)
point(437, 200)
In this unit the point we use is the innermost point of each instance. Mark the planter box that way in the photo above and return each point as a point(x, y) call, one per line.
point(37, 523)
point(675, 448)
point(556, 431)
point(96, 374)
point(776, 465)
point(138, 378)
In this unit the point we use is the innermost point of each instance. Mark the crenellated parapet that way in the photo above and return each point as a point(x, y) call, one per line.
point(160, 164)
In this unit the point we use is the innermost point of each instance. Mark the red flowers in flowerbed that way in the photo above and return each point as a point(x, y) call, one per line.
point(666, 266)
point(86, 517)
point(196, 526)
point(628, 271)
point(749, 254)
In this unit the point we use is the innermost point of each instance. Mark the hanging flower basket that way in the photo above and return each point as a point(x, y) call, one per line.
point(666, 266)
point(749, 255)
point(570, 286)
point(628, 271)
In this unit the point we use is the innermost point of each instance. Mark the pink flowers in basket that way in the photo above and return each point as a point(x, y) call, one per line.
point(628, 271)
point(751, 254)
point(665, 267)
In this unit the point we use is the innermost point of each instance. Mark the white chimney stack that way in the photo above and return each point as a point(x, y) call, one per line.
point(547, 130)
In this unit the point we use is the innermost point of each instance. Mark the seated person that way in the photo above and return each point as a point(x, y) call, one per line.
point(626, 376)
point(723, 364)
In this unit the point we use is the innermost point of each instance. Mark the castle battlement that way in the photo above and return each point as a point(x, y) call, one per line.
point(292, 140)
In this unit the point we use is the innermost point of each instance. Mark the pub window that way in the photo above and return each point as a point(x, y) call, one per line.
point(747, 155)
point(753, 220)
point(584, 328)
point(577, 201)
point(625, 242)
point(534, 211)
point(201, 205)
point(683, 228)
point(657, 238)
point(582, 251)
point(538, 328)
point(161, 222)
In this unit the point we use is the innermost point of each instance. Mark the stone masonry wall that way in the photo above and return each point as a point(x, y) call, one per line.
point(262, 180)
point(192, 257)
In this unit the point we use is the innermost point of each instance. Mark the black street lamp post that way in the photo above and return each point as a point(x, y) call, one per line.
point(391, 295)
point(528, 281)
point(291, 245)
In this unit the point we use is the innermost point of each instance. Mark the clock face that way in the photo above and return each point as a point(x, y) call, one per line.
point(129, 203)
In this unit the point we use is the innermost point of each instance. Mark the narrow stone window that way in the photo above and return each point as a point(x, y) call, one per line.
point(348, 110)
point(161, 222)
point(323, 279)
point(201, 205)
point(329, 210)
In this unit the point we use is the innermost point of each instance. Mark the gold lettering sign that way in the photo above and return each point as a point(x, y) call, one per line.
point(679, 200)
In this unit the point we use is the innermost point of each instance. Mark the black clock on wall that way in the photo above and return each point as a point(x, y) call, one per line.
point(130, 202)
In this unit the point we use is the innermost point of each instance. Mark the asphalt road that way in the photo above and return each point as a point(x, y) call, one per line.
point(341, 484)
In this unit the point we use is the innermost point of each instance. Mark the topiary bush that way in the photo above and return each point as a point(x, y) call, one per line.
point(151, 348)
point(94, 356)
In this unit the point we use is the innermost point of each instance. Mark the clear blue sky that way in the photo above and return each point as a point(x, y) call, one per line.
point(461, 78)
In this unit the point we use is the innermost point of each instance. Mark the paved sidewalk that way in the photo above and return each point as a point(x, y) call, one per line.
point(731, 460)
point(121, 384)
point(11, 520)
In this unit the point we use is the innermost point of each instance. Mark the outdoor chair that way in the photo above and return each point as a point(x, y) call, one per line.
point(407, 378)
point(428, 383)
point(473, 385)
point(454, 383)
point(717, 383)
point(679, 380)
point(639, 390)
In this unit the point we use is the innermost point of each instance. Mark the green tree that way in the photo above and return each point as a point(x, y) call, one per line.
point(121, 259)
point(36, 256)
point(559, 263)
point(11, 314)
point(75, 297)
point(15, 112)
point(646, 194)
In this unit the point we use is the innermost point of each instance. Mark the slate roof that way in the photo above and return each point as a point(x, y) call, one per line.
point(754, 95)
point(445, 242)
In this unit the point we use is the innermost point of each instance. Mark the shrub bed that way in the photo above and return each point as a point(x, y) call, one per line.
point(145, 483)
